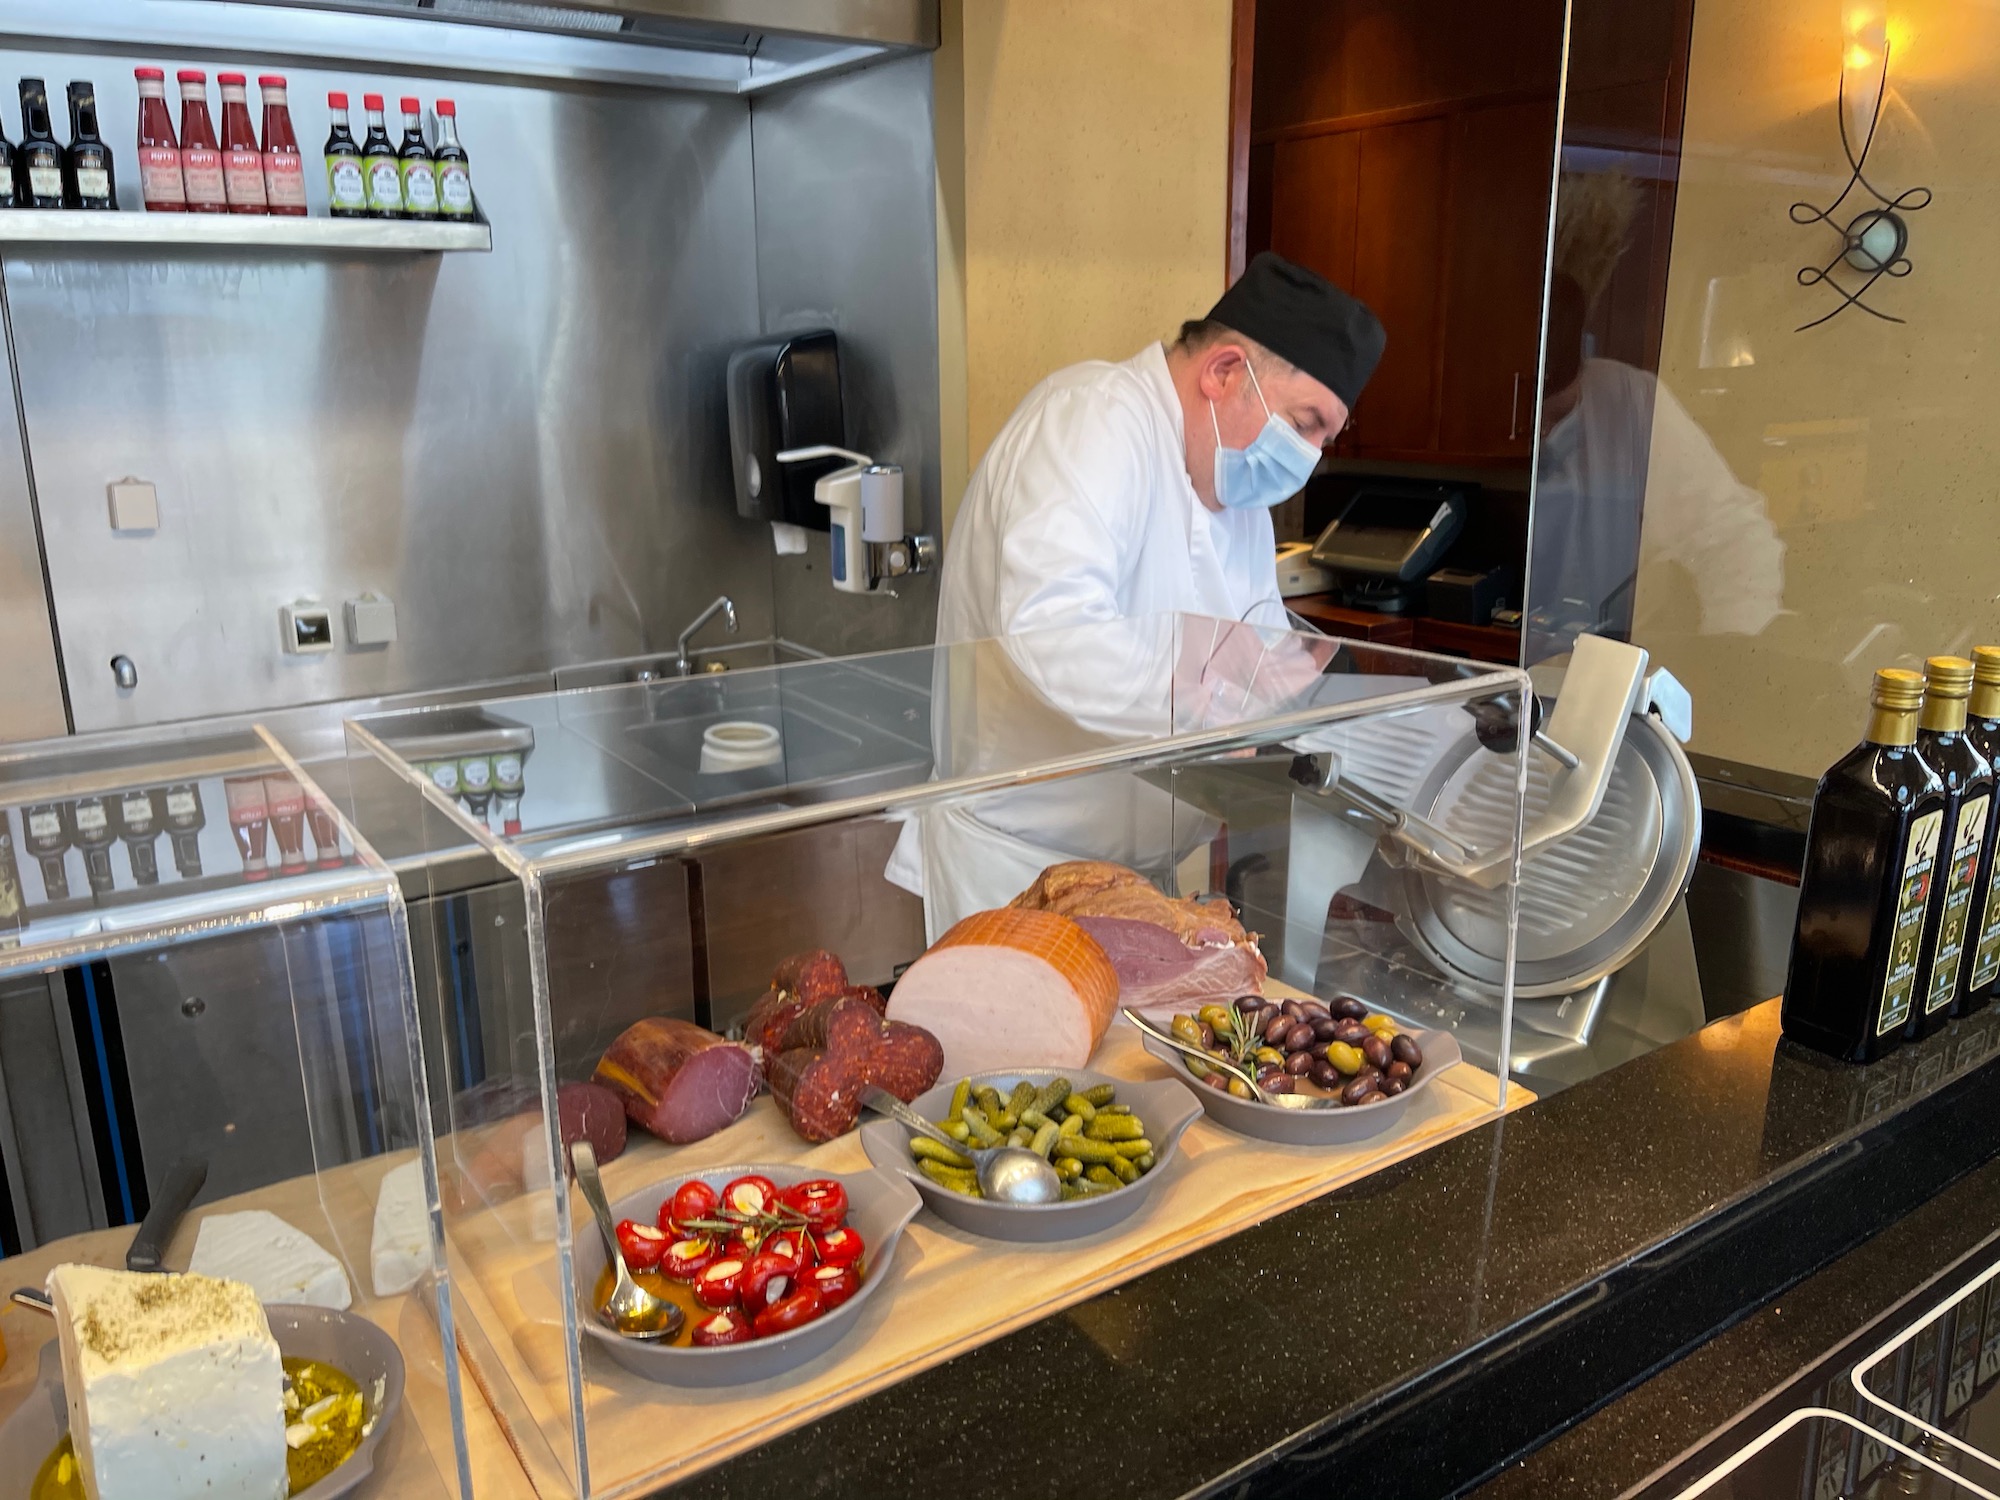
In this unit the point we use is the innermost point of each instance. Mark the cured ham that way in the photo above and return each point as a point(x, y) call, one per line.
point(676, 1079)
point(1011, 989)
point(1097, 888)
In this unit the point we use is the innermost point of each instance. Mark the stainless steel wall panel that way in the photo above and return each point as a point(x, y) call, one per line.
point(846, 239)
point(31, 697)
point(524, 450)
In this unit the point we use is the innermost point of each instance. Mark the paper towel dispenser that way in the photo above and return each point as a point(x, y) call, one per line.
point(784, 394)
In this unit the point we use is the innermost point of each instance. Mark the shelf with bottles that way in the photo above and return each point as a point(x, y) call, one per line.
point(150, 836)
point(241, 231)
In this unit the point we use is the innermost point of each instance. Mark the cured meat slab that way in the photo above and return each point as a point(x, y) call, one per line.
point(676, 1079)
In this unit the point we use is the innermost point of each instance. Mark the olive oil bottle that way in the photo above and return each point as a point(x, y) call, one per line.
point(1982, 960)
point(1870, 854)
point(1968, 790)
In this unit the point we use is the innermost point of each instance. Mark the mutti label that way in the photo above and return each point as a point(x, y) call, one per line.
point(243, 174)
point(285, 179)
point(202, 170)
point(160, 175)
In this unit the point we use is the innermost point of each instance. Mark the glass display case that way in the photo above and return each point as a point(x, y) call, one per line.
point(668, 844)
point(209, 1062)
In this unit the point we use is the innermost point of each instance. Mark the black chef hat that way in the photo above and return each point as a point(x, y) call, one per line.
point(1302, 317)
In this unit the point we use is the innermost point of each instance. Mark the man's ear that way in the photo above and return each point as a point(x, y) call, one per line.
point(1221, 365)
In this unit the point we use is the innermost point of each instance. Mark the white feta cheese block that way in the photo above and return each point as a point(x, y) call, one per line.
point(174, 1385)
point(400, 1251)
point(281, 1263)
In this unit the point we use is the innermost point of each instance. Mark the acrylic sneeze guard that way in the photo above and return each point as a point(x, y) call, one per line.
point(245, 921)
point(1336, 792)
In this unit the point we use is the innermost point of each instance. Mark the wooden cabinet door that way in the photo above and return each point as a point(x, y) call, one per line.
point(1312, 203)
point(1399, 218)
point(1500, 163)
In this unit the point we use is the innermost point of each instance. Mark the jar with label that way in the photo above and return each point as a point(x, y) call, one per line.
point(284, 168)
point(420, 199)
point(454, 167)
point(346, 180)
point(88, 181)
point(379, 161)
point(38, 165)
point(160, 184)
point(242, 162)
point(201, 154)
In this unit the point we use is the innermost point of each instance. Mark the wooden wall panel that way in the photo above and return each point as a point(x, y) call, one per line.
point(1399, 219)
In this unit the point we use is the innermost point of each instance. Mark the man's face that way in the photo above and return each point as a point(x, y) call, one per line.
point(1294, 397)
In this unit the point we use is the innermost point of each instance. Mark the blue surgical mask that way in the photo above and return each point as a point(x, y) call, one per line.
point(1271, 470)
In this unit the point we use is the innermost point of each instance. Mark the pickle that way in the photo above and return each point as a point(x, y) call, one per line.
point(1072, 1126)
point(958, 1130)
point(1103, 1176)
point(1020, 1135)
point(1114, 1109)
point(983, 1134)
point(959, 1098)
point(1034, 1119)
point(1084, 1149)
point(1124, 1169)
point(1045, 1138)
point(950, 1177)
point(989, 1099)
point(1083, 1188)
point(1144, 1163)
point(1115, 1128)
point(1023, 1098)
point(1102, 1094)
point(924, 1148)
point(1132, 1150)
point(1068, 1167)
point(1049, 1098)
point(1077, 1104)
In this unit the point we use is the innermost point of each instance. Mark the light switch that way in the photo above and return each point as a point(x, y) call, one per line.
point(371, 620)
point(135, 505)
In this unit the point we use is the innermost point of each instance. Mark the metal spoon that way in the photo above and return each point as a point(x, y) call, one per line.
point(1007, 1174)
point(1229, 1069)
point(632, 1310)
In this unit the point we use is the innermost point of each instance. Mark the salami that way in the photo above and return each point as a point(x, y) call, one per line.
point(836, 1052)
point(677, 1080)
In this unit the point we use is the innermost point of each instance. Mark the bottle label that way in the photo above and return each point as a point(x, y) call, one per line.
point(454, 188)
point(182, 805)
point(385, 185)
point(11, 900)
point(345, 184)
point(1965, 848)
point(160, 175)
point(476, 774)
point(243, 177)
point(45, 182)
point(285, 179)
point(202, 170)
point(1906, 934)
point(90, 819)
point(420, 193)
point(1986, 956)
point(93, 185)
point(45, 825)
point(1989, 1337)
point(444, 776)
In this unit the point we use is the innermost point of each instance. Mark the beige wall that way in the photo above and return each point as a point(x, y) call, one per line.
point(1873, 444)
point(1088, 206)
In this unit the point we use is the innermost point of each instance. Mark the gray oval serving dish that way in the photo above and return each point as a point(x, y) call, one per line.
point(345, 1340)
point(1315, 1127)
point(1164, 1106)
point(879, 1207)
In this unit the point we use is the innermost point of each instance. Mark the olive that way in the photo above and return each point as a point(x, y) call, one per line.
point(1300, 1037)
point(1299, 1064)
point(1215, 1081)
point(1347, 1008)
point(1317, 1049)
point(1394, 1086)
point(1382, 1026)
point(1188, 1029)
point(1239, 1088)
point(1325, 1028)
point(1270, 1057)
point(1399, 1070)
point(1372, 1075)
point(1406, 1050)
point(1376, 1051)
point(1207, 1034)
point(1351, 1032)
point(1345, 1059)
point(1215, 1016)
point(1315, 1010)
point(1266, 1076)
point(1275, 1031)
point(1359, 1088)
point(1294, 1009)
point(1279, 1083)
point(1373, 1096)
point(1325, 1074)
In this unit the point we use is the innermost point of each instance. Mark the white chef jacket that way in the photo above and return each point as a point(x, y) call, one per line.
point(1081, 513)
point(1082, 510)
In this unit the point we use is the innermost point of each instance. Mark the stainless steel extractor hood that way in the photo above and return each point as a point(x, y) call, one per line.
point(724, 46)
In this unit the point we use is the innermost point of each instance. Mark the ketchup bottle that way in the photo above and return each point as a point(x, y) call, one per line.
point(159, 153)
point(201, 157)
point(284, 168)
point(242, 162)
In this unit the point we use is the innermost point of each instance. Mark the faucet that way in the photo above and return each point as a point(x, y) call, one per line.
point(723, 605)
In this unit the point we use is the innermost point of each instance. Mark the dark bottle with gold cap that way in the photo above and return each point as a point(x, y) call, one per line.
point(1870, 853)
point(1982, 726)
point(1968, 791)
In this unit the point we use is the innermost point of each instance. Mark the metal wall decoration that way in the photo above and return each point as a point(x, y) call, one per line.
point(1873, 243)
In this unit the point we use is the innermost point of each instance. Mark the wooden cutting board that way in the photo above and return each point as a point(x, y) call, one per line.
point(948, 1291)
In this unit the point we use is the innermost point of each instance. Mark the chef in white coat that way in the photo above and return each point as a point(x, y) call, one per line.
point(1125, 492)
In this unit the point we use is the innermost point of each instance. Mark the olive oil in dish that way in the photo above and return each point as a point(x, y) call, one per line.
point(1968, 788)
point(1871, 853)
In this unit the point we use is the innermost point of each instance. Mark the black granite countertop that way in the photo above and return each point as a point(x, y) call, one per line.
point(1414, 1331)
